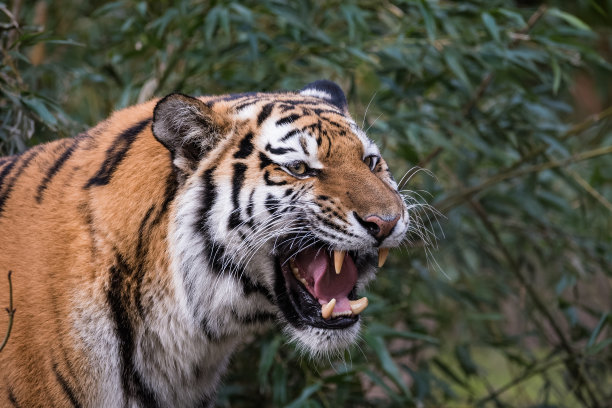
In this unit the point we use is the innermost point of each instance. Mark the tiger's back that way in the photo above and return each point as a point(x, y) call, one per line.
point(144, 250)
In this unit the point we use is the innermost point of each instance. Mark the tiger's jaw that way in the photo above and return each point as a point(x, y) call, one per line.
point(319, 304)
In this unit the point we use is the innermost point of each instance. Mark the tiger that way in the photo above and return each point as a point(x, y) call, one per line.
point(147, 249)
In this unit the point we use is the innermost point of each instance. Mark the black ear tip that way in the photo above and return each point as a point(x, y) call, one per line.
point(327, 89)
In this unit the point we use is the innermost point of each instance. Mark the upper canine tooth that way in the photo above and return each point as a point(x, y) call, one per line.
point(382, 256)
point(338, 260)
point(358, 306)
point(328, 308)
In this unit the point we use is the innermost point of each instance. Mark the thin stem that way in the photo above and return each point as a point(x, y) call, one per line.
point(466, 193)
point(527, 374)
point(10, 311)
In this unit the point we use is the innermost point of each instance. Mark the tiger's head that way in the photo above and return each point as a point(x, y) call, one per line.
point(285, 210)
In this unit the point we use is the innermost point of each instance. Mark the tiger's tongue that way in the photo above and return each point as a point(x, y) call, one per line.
point(316, 267)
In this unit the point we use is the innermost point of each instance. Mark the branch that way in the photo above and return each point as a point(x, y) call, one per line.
point(527, 374)
point(454, 200)
point(10, 311)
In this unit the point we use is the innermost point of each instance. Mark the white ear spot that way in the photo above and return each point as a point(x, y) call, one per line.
point(317, 93)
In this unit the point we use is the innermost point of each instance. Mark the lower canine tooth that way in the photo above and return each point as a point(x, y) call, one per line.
point(382, 256)
point(339, 260)
point(327, 309)
point(358, 306)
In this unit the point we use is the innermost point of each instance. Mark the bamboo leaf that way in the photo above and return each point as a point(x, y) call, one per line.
point(306, 393)
point(39, 107)
point(491, 26)
point(570, 19)
point(602, 322)
point(388, 365)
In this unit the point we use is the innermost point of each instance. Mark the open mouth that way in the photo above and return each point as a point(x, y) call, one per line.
point(317, 287)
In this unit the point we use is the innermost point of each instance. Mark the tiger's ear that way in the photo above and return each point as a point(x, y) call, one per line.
point(188, 128)
point(328, 90)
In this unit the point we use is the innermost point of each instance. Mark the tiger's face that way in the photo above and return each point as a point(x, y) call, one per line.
point(284, 201)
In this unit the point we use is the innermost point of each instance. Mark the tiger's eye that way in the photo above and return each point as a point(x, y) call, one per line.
point(298, 168)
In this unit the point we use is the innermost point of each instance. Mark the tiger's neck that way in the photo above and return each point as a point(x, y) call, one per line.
point(175, 315)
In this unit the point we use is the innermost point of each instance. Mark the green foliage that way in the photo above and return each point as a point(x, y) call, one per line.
point(503, 298)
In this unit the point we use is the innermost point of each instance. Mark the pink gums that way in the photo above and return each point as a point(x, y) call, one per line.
point(316, 267)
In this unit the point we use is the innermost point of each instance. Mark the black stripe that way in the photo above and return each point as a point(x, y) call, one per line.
point(334, 226)
point(123, 327)
point(336, 124)
point(237, 182)
point(208, 201)
point(265, 112)
point(55, 168)
point(283, 300)
point(217, 257)
point(7, 169)
point(272, 182)
point(290, 134)
point(303, 146)
point(232, 97)
point(279, 150)
point(284, 107)
point(144, 235)
point(118, 299)
point(141, 254)
point(248, 286)
point(23, 164)
point(210, 193)
point(210, 196)
point(271, 203)
point(66, 387)
point(244, 105)
point(288, 119)
point(12, 399)
point(258, 317)
point(251, 204)
point(319, 111)
point(246, 147)
point(115, 154)
point(264, 161)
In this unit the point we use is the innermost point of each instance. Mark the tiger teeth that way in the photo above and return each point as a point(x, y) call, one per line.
point(328, 308)
point(296, 272)
point(382, 256)
point(339, 260)
point(358, 306)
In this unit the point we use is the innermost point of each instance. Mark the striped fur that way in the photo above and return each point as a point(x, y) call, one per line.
point(146, 249)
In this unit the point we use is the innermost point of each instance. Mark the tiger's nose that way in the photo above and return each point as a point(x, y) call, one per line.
point(379, 227)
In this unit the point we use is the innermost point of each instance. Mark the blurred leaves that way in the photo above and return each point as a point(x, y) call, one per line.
point(504, 297)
